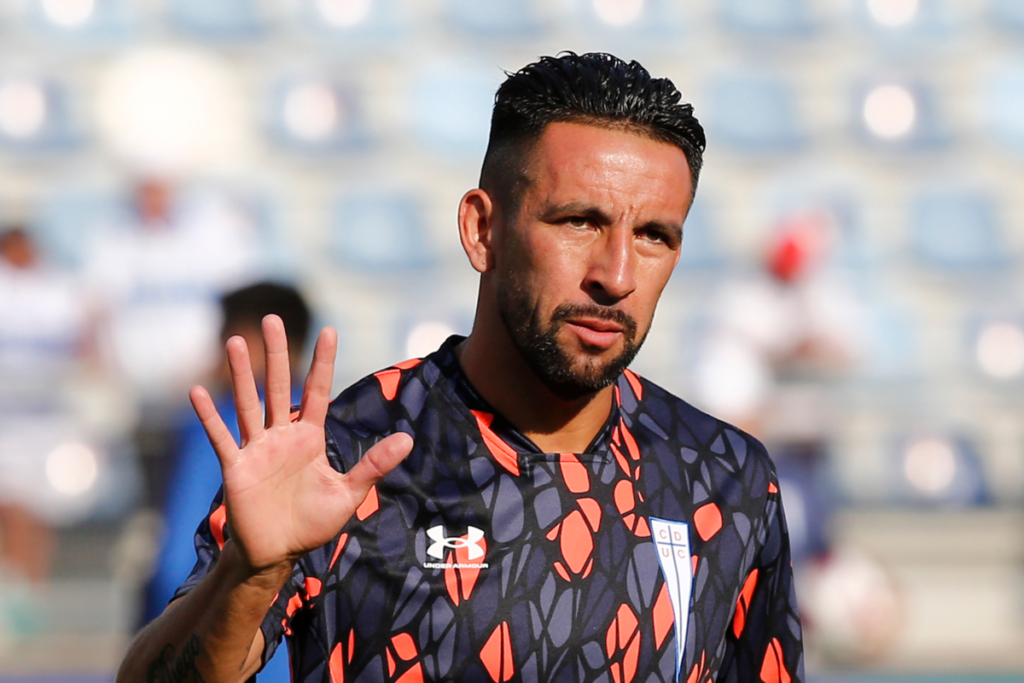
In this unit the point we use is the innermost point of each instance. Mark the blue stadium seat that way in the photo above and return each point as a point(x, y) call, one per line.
point(938, 469)
point(893, 352)
point(956, 230)
point(1007, 15)
point(494, 18)
point(1003, 98)
point(633, 19)
point(772, 18)
point(701, 246)
point(37, 115)
point(316, 115)
point(907, 26)
point(228, 20)
point(69, 217)
point(356, 23)
point(452, 104)
point(379, 232)
point(104, 22)
point(925, 129)
point(754, 111)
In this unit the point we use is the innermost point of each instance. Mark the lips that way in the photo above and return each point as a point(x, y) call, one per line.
point(596, 332)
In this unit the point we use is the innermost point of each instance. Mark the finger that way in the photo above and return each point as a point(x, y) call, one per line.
point(279, 378)
point(220, 436)
point(316, 395)
point(377, 462)
point(243, 384)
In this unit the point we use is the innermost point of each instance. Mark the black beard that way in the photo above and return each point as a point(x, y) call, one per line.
point(547, 359)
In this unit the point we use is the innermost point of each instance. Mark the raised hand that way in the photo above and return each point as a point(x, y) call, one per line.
point(283, 498)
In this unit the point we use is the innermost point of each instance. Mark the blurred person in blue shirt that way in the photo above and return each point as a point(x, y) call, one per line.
point(196, 475)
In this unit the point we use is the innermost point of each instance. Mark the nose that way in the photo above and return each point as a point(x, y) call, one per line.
point(611, 276)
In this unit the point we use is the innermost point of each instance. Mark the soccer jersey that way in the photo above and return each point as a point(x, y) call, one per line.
point(658, 554)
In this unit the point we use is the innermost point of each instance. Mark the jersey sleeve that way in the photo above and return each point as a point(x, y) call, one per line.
point(209, 541)
point(765, 641)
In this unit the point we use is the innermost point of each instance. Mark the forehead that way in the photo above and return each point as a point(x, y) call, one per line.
point(580, 159)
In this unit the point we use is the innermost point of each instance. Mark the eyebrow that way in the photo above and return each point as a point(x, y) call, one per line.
point(587, 210)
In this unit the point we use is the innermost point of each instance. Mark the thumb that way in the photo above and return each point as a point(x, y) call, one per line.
point(376, 463)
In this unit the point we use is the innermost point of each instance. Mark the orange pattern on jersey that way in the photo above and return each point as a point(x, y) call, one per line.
point(634, 384)
point(772, 488)
point(622, 644)
point(336, 665)
point(313, 587)
point(408, 364)
point(743, 604)
point(342, 540)
point(403, 649)
point(773, 670)
point(461, 581)
point(502, 452)
point(218, 519)
point(575, 474)
point(708, 520)
point(699, 674)
point(625, 502)
point(496, 654)
point(369, 505)
point(389, 380)
point(664, 619)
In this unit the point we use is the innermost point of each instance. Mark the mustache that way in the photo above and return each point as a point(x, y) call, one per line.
point(568, 311)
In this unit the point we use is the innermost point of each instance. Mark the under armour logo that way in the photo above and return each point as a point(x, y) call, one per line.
point(471, 542)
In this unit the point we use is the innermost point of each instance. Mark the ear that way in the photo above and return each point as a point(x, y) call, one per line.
point(477, 219)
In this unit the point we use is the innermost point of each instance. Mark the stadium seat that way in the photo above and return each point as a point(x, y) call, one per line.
point(938, 469)
point(778, 18)
point(451, 103)
point(69, 217)
point(100, 22)
point(753, 111)
point(1003, 98)
point(379, 232)
point(37, 115)
point(1007, 15)
point(701, 247)
point(356, 23)
point(906, 26)
point(218, 19)
point(495, 18)
point(315, 114)
point(956, 230)
point(898, 114)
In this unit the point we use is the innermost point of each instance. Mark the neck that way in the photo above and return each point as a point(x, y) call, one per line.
point(497, 371)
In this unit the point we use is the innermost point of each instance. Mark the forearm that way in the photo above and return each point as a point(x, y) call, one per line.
point(212, 633)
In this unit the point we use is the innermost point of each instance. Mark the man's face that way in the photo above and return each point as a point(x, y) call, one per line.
point(580, 266)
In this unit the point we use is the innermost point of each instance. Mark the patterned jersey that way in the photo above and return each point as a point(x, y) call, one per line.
point(660, 554)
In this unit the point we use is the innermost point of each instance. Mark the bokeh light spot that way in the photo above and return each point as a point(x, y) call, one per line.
point(344, 13)
point(889, 111)
point(23, 109)
point(893, 13)
point(425, 338)
point(930, 465)
point(618, 12)
point(72, 469)
point(1000, 350)
point(311, 112)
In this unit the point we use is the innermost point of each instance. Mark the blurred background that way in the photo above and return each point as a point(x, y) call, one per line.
point(849, 289)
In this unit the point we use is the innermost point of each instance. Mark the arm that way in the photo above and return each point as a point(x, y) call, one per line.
point(282, 498)
point(765, 641)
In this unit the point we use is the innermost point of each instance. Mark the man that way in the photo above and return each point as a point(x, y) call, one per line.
point(553, 517)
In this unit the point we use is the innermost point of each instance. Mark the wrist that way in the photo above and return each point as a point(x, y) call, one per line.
point(238, 570)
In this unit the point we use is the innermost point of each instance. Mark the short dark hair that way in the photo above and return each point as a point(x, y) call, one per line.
point(246, 307)
point(594, 88)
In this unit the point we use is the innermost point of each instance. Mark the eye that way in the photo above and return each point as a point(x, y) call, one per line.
point(578, 221)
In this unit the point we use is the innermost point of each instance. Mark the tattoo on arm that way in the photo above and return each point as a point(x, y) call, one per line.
point(172, 667)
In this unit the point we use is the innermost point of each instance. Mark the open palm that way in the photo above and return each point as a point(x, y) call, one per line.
point(283, 498)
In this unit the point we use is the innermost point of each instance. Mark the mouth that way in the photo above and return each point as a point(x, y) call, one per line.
point(596, 332)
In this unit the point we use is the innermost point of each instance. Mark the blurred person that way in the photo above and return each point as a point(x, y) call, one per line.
point(42, 327)
point(195, 475)
point(155, 280)
point(516, 505)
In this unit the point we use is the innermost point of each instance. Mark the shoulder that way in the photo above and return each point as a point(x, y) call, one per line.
point(392, 399)
point(676, 429)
